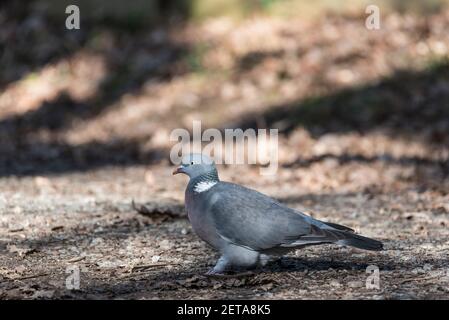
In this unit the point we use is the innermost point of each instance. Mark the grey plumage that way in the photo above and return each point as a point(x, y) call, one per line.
point(246, 226)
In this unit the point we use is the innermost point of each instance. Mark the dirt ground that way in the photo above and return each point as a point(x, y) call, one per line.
point(87, 220)
point(364, 134)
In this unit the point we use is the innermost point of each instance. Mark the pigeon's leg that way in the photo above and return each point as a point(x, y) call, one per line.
point(264, 259)
point(221, 265)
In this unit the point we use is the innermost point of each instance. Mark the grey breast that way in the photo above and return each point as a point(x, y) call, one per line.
point(198, 211)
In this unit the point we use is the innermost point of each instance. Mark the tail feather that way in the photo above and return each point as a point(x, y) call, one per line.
point(333, 235)
point(338, 226)
point(361, 242)
point(346, 236)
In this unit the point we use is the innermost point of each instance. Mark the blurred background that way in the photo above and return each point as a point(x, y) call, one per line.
point(86, 115)
point(111, 92)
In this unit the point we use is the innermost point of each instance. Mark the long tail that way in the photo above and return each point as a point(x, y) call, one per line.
point(350, 238)
point(324, 232)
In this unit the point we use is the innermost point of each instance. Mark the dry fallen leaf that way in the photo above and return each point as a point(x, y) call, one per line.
point(21, 251)
point(43, 294)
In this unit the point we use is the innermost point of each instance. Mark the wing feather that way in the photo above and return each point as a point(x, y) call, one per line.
point(248, 218)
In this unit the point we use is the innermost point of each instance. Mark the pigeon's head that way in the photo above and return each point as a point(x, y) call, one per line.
point(195, 165)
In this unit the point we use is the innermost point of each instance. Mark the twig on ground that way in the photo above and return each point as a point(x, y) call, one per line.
point(30, 276)
point(149, 266)
point(76, 259)
point(419, 279)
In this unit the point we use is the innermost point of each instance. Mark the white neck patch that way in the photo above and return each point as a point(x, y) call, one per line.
point(204, 186)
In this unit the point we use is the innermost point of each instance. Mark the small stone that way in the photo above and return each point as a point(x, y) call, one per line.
point(335, 284)
point(96, 241)
point(355, 284)
point(165, 244)
point(17, 210)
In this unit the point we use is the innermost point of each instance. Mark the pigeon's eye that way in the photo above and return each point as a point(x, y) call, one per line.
point(191, 163)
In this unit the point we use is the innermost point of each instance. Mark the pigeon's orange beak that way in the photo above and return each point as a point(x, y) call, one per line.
point(178, 170)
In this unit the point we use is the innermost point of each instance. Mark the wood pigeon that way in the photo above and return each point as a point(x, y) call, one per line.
point(248, 227)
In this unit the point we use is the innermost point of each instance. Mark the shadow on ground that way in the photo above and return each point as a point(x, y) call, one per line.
point(185, 280)
point(410, 104)
point(30, 143)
